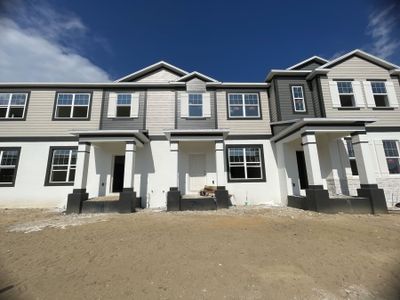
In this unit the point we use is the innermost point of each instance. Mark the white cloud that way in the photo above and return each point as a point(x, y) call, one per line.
point(380, 27)
point(40, 44)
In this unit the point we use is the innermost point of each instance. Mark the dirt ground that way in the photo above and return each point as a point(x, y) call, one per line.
point(241, 253)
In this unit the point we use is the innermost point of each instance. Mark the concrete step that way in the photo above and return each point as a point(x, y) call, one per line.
point(201, 203)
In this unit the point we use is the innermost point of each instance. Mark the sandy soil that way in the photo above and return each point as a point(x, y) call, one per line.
point(242, 253)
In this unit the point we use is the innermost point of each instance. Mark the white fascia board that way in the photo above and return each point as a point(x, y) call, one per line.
point(363, 54)
point(198, 74)
point(274, 72)
point(89, 84)
point(315, 57)
point(317, 72)
point(110, 135)
point(150, 68)
point(238, 84)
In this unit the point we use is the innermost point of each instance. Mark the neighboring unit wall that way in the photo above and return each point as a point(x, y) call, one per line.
point(39, 115)
point(243, 126)
point(359, 69)
point(123, 123)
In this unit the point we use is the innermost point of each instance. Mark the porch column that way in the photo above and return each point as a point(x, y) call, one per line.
point(309, 143)
point(127, 198)
point(317, 199)
point(174, 195)
point(79, 194)
point(369, 188)
point(221, 194)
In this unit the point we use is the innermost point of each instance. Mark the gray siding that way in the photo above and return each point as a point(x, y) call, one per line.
point(283, 87)
point(316, 97)
point(160, 111)
point(359, 69)
point(309, 66)
point(39, 115)
point(123, 123)
point(272, 103)
point(187, 123)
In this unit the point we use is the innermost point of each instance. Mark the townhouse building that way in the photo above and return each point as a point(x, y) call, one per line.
point(321, 135)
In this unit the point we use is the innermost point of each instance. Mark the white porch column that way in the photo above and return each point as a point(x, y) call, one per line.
point(82, 164)
point(309, 143)
point(174, 149)
point(364, 159)
point(220, 163)
point(129, 170)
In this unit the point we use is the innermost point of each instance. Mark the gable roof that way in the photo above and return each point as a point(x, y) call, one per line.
point(315, 58)
point(360, 53)
point(275, 72)
point(159, 65)
point(198, 75)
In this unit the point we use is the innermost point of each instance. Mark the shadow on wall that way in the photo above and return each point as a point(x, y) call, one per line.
point(103, 168)
point(144, 167)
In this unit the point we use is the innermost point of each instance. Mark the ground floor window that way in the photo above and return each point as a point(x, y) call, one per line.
point(392, 156)
point(62, 166)
point(245, 163)
point(9, 158)
point(352, 157)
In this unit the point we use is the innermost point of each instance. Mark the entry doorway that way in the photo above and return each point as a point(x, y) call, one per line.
point(118, 174)
point(197, 172)
point(301, 165)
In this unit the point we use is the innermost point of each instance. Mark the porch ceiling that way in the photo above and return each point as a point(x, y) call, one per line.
point(139, 136)
point(196, 134)
point(341, 126)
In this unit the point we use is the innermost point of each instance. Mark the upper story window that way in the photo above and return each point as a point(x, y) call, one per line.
point(123, 108)
point(392, 156)
point(61, 169)
point(72, 106)
point(13, 105)
point(195, 108)
point(8, 165)
point(380, 93)
point(244, 105)
point(298, 98)
point(352, 157)
point(346, 94)
point(245, 163)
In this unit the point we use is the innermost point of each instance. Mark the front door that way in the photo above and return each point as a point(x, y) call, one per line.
point(301, 165)
point(197, 172)
point(118, 177)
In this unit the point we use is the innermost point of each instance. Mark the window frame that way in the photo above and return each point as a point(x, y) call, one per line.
point(123, 105)
point(384, 94)
point(292, 86)
point(74, 92)
point(262, 163)
point(348, 142)
point(243, 117)
point(391, 157)
point(201, 105)
point(354, 104)
point(28, 94)
point(12, 184)
point(50, 163)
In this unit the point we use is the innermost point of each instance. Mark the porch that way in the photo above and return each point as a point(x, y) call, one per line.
point(310, 153)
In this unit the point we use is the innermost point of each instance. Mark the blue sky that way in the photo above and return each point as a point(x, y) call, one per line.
point(228, 40)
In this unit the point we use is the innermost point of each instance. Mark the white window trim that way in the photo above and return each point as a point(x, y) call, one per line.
point(244, 164)
point(72, 106)
point(123, 105)
point(391, 157)
point(380, 94)
point(201, 105)
point(244, 106)
point(14, 105)
point(69, 166)
point(298, 98)
point(346, 94)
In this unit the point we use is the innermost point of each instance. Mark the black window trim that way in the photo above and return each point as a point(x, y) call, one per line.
point(49, 161)
point(261, 146)
point(90, 92)
point(16, 165)
point(227, 92)
point(28, 92)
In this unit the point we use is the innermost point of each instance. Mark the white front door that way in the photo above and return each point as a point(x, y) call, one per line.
point(197, 172)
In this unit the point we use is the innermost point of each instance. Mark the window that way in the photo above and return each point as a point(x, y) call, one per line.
point(352, 158)
point(298, 99)
point(12, 105)
point(380, 94)
point(346, 94)
point(62, 165)
point(392, 156)
point(72, 106)
point(8, 165)
point(124, 105)
point(243, 106)
point(195, 105)
point(245, 163)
